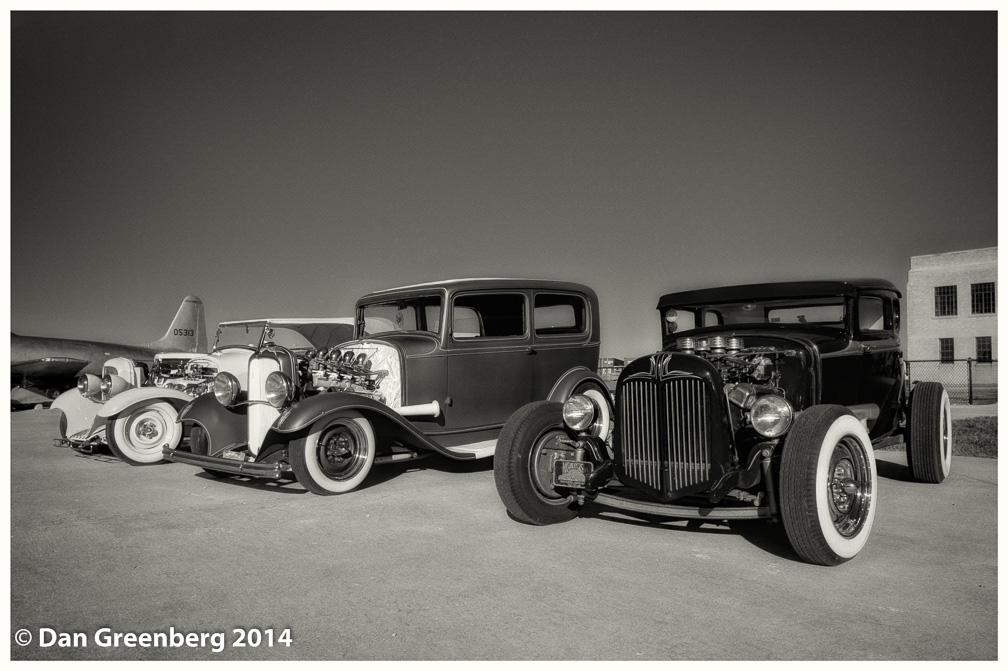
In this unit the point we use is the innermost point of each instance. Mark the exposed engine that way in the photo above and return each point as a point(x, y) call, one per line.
point(367, 368)
point(191, 376)
point(746, 371)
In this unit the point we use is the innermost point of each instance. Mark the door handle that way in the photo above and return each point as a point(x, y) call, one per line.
point(529, 350)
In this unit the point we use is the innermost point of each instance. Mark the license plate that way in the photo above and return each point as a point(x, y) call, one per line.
point(232, 455)
point(571, 473)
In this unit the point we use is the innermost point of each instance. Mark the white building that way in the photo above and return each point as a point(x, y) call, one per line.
point(951, 306)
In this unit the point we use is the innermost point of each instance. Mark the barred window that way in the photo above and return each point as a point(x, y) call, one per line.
point(983, 349)
point(983, 298)
point(946, 350)
point(946, 301)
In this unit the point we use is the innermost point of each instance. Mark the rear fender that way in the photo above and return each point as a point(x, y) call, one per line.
point(133, 398)
point(224, 426)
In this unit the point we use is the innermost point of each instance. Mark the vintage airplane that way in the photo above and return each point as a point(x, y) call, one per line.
point(43, 368)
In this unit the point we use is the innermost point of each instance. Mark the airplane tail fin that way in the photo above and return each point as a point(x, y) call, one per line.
point(187, 332)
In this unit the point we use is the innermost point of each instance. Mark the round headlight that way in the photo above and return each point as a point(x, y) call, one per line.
point(106, 386)
point(89, 385)
point(579, 412)
point(278, 389)
point(771, 415)
point(112, 384)
point(226, 388)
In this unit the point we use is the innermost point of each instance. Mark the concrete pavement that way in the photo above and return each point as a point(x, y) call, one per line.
point(423, 563)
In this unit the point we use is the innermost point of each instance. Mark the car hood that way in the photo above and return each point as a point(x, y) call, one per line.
point(412, 342)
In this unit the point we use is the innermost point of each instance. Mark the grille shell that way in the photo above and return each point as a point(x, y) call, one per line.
point(672, 436)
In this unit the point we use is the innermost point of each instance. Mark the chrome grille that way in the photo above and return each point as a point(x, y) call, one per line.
point(664, 432)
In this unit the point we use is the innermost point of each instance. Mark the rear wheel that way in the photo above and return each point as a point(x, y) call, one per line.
point(522, 462)
point(929, 448)
point(828, 489)
point(336, 455)
point(138, 436)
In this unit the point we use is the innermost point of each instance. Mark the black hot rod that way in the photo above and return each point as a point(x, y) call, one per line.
point(766, 401)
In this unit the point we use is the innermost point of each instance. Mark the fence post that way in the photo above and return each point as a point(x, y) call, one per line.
point(969, 377)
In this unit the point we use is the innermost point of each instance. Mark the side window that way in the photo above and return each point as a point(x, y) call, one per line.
point(872, 319)
point(488, 316)
point(559, 314)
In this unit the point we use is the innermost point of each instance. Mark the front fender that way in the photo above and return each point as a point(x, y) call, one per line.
point(224, 426)
point(80, 412)
point(387, 423)
point(574, 378)
point(131, 398)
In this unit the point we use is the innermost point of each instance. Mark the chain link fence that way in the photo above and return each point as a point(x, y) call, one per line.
point(966, 380)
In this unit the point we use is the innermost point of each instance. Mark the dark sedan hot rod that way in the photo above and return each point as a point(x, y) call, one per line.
point(766, 401)
point(433, 368)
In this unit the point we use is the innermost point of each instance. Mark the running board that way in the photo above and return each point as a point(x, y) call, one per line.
point(479, 450)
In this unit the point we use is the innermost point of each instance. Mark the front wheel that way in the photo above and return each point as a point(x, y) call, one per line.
point(929, 448)
point(828, 489)
point(525, 452)
point(336, 455)
point(138, 436)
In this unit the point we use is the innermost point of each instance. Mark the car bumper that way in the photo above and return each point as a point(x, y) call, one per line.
point(697, 512)
point(82, 446)
point(273, 471)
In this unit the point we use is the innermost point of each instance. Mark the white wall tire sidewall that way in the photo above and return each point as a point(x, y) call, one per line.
point(148, 452)
point(945, 425)
point(603, 405)
point(843, 547)
point(311, 461)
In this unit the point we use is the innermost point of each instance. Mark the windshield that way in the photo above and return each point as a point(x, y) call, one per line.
point(291, 336)
point(238, 335)
point(828, 312)
point(420, 313)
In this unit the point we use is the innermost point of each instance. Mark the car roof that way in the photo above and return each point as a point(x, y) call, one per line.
point(484, 283)
point(293, 321)
point(742, 292)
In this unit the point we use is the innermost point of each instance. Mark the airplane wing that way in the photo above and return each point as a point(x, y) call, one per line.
point(40, 371)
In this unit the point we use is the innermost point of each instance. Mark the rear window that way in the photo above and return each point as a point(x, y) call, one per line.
point(559, 314)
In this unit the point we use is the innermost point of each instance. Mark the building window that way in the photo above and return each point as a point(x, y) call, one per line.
point(983, 349)
point(983, 298)
point(946, 350)
point(946, 301)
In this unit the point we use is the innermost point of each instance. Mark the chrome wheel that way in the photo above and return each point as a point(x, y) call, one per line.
point(336, 455)
point(849, 486)
point(342, 451)
point(546, 449)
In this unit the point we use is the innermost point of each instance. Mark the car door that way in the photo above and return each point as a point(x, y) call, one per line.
point(490, 361)
point(880, 373)
point(560, 338)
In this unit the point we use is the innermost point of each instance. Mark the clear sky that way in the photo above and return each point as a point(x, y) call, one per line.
point(286, 164)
